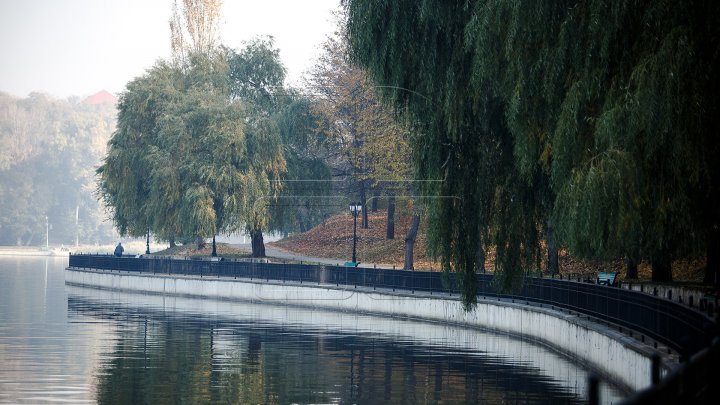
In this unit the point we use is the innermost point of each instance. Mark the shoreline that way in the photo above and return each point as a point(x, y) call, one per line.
point(19, 251)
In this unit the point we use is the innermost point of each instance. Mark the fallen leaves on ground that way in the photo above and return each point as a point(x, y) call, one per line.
point(333, 239)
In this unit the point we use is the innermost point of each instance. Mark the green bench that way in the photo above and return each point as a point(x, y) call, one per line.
point(607, 278)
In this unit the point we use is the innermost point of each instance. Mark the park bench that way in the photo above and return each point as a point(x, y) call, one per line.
point(607, 278)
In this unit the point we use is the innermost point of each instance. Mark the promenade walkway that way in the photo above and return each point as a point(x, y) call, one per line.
point(274, 252)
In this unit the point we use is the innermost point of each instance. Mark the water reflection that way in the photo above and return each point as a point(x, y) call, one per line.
point(72, 344)
point(43, 358)
point(172, 348)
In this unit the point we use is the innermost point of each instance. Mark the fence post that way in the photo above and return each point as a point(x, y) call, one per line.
point(593, 390)
point(654, 369)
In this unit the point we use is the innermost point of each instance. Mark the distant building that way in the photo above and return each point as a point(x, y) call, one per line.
point(101, 97)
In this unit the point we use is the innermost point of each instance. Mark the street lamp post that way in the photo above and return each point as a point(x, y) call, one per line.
point(47, 233)
point(355, 209)
point(147, 243)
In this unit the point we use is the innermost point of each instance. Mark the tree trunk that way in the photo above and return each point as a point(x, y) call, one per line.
point(480, 257)
point(661, 267)
point(631, 272)
point(553, 265)
point(376, 197)
point(390, 234)
point(364, 223)
point(712, 275)
point(199, 242)
point(172, 242)
point(258, 246)
point(302, 215)
point(410, 242)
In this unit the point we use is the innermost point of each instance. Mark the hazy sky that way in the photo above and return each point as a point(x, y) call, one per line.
point(78, 47)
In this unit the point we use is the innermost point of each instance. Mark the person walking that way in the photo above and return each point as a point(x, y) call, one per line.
point(119, 249)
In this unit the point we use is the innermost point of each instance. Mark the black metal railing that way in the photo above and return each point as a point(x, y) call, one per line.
point(694, 382)
point(678, 327)
point(303, 273)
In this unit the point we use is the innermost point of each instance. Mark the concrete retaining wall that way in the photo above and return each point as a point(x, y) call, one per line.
point(617, 356)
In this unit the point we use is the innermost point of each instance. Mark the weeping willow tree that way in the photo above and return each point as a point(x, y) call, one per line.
point(591, 123)
point(416, 52)
point(256, 78)
point(637, 184)
point(123, 184)
point(306, 196)
point(182, 162)
point(195, 151)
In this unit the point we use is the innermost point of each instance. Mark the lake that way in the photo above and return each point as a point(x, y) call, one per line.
point(63, 343)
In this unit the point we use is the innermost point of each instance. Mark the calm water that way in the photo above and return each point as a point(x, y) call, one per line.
point(71, 344)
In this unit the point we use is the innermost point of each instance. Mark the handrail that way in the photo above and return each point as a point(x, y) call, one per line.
point(695, 382)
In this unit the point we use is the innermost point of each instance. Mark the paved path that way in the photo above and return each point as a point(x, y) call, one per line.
point(279, 253)
point(282, 254)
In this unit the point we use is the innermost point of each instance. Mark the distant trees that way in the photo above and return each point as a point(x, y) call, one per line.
point(48, 151)
point(590, 123)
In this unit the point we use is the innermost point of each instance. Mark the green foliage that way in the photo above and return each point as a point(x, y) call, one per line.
point(256, 76)
point(416, 51)
point(633, 184)
point(187, 160)
point(597, 117)
point(305, 199)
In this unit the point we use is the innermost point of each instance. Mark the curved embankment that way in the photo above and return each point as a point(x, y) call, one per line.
point(618, 357)
point(505, 351)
